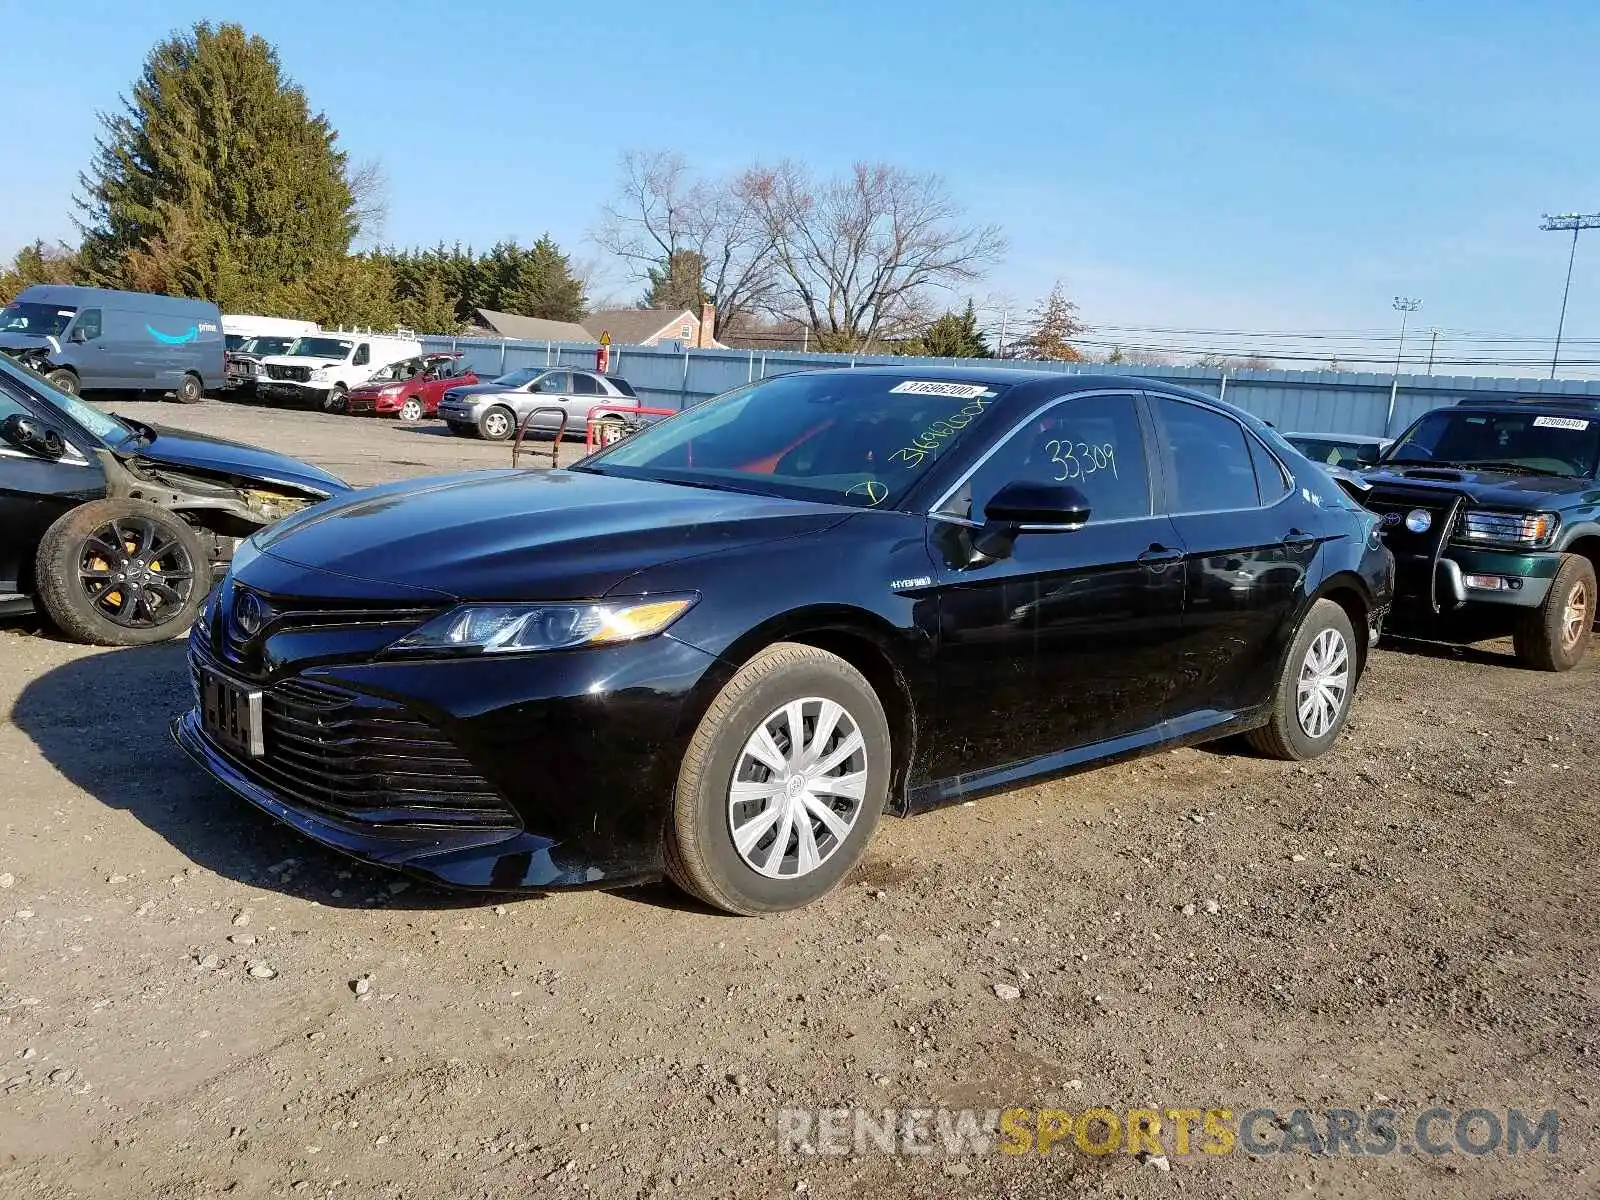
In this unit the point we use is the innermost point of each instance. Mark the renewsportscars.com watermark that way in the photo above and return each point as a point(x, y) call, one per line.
point(1257, 1132)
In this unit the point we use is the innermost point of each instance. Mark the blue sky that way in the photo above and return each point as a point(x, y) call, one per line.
point(1239, 164)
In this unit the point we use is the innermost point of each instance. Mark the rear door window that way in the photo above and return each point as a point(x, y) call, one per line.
point(1207, 459)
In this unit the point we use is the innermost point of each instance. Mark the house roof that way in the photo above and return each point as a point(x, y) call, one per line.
point(533, 329)
point(631, 326)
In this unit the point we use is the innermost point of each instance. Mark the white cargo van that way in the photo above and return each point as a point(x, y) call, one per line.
point(237, 328)
point(319, 369)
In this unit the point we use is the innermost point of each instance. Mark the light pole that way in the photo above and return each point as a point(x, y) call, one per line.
point(1577, 222)
point(1405, 306)
point(1433, 344)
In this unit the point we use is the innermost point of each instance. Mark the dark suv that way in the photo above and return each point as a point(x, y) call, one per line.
point(1493, 514)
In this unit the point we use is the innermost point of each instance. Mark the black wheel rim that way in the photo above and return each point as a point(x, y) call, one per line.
point(135, 573)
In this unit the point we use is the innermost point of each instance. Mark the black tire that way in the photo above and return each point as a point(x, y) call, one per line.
point(497, 424)
point(65, 381)
point(334, 401)
point(462, 429)
point(1555, 636)
point(411, 409)
point(701, 855)
point(189, 390)
point(75, 548)
point(1285, 735)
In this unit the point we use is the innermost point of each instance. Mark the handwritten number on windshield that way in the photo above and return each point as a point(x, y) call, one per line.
point(1079, 460)
point(926, 442)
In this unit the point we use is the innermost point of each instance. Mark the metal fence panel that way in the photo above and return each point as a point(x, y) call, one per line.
point(1294, 401)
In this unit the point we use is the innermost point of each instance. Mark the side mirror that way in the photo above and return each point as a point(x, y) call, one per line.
point(30, 436)
point(1054, 505)
point(1022, 507)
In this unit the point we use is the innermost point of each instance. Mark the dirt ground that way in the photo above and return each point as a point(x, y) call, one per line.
point(195, 1002)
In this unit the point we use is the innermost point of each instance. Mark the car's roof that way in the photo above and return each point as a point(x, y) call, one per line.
point(1567, 404)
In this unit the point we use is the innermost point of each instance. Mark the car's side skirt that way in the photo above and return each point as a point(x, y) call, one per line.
point(1201, 726)
point(14, 605)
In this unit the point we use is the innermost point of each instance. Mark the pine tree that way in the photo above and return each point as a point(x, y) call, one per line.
point(955, 335)
point(218, 174)
point(38, 262)
point(542, 285)
point(678, 282)
point(1055, 323)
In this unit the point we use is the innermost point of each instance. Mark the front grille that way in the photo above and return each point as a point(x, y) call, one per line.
point(297, 374)
point(286, 615)
point(359, 758)
point(1394, 508)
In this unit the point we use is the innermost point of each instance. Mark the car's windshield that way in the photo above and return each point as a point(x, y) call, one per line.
point(841, 436)
point(520, 376)
point(396, 372)
point(35, 320)
point(102, 425)
point(264, 346)
point(320, 347)
point(1540, 443)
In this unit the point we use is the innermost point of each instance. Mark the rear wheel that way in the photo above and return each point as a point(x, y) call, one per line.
point(1315, 689)
point(610, 429)
point(782, 785)
point(411, 410)
point(64, 380)
point(122, 573)
point(189, 390)
point(497, 424)
point(1555, 636)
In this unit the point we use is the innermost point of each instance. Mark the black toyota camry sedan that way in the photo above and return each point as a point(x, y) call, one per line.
point(720, 649)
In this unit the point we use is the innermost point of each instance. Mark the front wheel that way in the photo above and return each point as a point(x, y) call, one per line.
point(63, 381)
point(1316, 687)
point(1555, 636)
point(190, 390)
point(122, 573)
point(782, 785)
point(334, 401)
point(497, 424)
point(411, 410)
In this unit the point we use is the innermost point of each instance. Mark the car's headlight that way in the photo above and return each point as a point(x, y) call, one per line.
point(524, 628)
point(1518, 529)
point(319, 374)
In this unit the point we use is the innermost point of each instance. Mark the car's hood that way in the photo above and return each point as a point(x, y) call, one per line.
point(180, 448)
point(1495, 489)
point(23, 341)
point(301, 360)
point(372, 389)
point(530, 535)
point(482, 389)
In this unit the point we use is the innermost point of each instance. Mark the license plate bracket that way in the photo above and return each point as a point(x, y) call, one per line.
point(231, 714)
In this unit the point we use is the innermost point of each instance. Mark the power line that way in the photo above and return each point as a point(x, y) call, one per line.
point(1577, 222)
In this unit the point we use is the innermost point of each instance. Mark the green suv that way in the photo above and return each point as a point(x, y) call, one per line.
point(1492, 512)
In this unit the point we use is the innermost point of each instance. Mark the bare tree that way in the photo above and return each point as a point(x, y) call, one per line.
point(369, 189)
point(661, 212)
point(860, 253)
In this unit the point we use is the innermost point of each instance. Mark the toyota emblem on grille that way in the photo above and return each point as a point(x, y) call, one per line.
point(250, 613)
point(1390, 518)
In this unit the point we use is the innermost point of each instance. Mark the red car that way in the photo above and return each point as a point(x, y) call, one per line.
point(411, 389)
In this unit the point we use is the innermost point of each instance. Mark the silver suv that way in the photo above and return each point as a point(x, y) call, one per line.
point(493, 410)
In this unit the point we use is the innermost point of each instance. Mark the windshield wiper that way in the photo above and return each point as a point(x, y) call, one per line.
point(144, 433)
point(1492, 464)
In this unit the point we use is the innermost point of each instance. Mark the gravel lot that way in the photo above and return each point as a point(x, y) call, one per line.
point(194, 1002)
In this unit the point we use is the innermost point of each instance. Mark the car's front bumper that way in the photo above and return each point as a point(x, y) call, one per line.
point(371, 406)
point(582, 748)
point(291, 392)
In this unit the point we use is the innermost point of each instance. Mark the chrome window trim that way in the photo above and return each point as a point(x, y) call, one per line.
point(935, 514)
point(72, 458)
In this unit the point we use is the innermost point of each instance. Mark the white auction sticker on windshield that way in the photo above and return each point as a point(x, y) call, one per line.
point(935, 387)
point(1560, 423)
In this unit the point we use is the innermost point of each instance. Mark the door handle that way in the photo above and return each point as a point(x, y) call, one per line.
point(1299, 538)
point(1159, 555)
